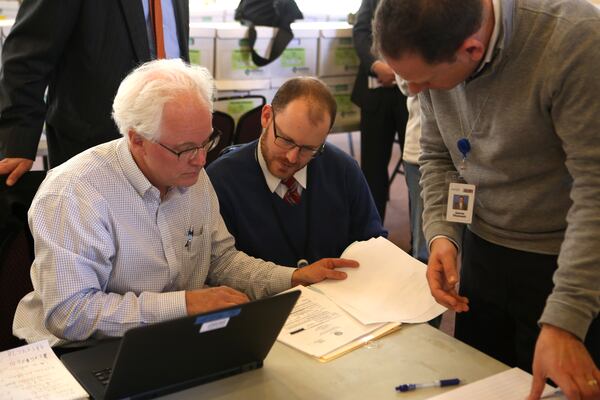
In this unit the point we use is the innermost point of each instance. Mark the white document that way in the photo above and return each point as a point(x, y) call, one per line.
point(33, 372)
point(512, 384)
point(389, 285)
point(318, 327)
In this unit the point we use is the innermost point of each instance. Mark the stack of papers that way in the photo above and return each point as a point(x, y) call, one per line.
point(389, 285)
point(332, 318)
point(34, 372)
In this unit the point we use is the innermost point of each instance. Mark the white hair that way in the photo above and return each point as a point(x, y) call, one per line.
point(143, 94)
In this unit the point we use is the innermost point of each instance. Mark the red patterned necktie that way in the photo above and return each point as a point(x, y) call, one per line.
point(157, 21)
point(291, 196)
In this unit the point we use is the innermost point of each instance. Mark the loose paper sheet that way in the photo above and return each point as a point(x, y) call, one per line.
point(513, 384)
point(389, 285)
point(34, 372)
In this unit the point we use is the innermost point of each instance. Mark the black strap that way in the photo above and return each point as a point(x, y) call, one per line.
point(280, 42)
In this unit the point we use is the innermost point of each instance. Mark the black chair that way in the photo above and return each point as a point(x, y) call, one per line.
point(248, 127)
point(225, 123)
point(16, 250)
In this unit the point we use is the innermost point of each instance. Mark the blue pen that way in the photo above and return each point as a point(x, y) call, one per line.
point(407, 387)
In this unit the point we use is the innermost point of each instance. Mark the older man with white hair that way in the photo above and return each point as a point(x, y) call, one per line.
point(129, 232)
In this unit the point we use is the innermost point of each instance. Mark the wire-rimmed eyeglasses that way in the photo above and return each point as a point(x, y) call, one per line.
point(192, 152)
point(289, 144)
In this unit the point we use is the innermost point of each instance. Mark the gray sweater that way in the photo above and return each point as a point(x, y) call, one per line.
point(534, 114)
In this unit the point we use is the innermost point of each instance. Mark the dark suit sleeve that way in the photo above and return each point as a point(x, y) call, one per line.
point(361, 32)
point(182, 16)
point(29, 57)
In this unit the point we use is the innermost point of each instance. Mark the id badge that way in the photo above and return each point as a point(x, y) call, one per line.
point(461, 199)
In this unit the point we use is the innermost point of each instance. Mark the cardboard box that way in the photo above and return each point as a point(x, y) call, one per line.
point(300, 56)
point(348, 113)
point(202, 46)
point(233, 59)
point(206, 13)
point(8, 9)
point(337, 56)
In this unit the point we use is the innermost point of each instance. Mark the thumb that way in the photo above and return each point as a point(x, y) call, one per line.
point(537, 386)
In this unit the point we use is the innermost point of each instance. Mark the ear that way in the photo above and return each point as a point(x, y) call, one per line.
point(266, 115)
point(472, 50)
point(136, 142)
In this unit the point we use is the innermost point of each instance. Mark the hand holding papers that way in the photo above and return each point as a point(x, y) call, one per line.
point(334, 317)
point(34, 372)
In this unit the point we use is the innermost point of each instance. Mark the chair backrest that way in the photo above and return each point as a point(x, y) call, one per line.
point(16, 250)
point(248, 127)
point(225, 123)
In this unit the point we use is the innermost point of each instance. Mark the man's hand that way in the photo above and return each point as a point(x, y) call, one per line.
point(561, 356)
point(209, 299)
point(16, 167)
point(321, 270)
point(442, 275)
point(385, 74)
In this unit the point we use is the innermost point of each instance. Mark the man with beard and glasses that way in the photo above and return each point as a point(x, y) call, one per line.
point(289, 197)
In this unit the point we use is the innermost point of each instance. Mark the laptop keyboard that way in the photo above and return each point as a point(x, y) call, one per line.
point(103, 375)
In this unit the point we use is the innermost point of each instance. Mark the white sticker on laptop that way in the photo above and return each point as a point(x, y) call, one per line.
point(216, 320)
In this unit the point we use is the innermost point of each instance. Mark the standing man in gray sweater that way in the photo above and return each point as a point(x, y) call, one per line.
point(509, 100)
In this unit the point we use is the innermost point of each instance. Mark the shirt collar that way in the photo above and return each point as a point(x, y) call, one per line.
point(272, 180)
point(491, 49)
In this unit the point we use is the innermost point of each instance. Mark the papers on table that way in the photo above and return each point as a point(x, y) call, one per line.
point(323, 330)
point(389, 285)
point(34, 372)
point(512, 384)
point(334, 317)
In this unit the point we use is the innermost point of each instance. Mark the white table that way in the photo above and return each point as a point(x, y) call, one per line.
point(416, 353)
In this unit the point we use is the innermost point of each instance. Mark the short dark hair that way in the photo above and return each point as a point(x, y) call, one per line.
point(433, 29)
point(312, 89)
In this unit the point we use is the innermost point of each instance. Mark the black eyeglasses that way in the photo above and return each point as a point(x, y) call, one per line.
point(192, 152)
point(289, 144)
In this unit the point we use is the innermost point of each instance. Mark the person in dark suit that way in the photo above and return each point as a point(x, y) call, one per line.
point(383, 109)
point(80, 51)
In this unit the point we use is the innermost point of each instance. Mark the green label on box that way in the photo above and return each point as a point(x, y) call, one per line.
point(344, 104)
point(195, 56)
point(345, 57)
point(238, 107)
point(293, 58)
point(240, 60)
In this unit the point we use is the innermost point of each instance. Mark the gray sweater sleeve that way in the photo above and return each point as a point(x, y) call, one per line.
point(574, 86)
point(435, 163)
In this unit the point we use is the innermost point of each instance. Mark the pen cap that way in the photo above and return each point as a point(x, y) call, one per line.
point(449, 382)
